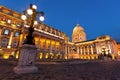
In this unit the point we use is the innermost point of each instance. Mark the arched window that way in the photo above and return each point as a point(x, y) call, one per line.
point(16, 34)
point(4, 41)
point(6, 31)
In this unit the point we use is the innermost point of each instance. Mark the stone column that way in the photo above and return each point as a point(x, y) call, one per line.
point(38, 49)
point(55, 50)
point(66, 54)
point(44, 55)
point(45, 45)
point(91, 49)
point(22, 37)
point(68, 49)
point(87, 49)
point(77, 50)
point(55, 55)
point(97, 49)
point(63, 50)
point(10, 40)
point(55, 46)
point(84, 50)
point(109, 47)
point(81, 50)
point(38, 42)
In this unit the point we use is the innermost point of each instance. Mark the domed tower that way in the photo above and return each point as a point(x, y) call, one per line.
point(78, 34)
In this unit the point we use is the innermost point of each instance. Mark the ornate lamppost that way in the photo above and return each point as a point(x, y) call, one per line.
point(27, 52)
point(31, 14)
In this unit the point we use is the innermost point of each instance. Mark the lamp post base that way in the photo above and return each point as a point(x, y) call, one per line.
point(27, 57)
point(25, 69)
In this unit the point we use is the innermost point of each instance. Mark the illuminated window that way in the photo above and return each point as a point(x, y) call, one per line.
point(15, 44)
point(80, 38)
point(16, 34)
point(6, 32)
point(4, 42)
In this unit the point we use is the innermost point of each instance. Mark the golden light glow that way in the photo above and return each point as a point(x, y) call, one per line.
point(41, 55)
point(42, 40)
point(8, 46)
point(47, 41)
point(35, 22)
point(88, 57)
point(53, 42)
point(46, 55)
point(6, 56)
point(21, 36)
point(13, 25)
point(13, 53)
point(3, 22)
point(36, 40)
point(57, 43)
point(66, 57)
point(113, 57)
point(17, 55)
point(92, 57)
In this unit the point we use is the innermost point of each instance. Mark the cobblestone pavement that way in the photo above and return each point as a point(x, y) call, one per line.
point(107, 70)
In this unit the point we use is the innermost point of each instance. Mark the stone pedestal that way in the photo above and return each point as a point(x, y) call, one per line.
point(26, 62)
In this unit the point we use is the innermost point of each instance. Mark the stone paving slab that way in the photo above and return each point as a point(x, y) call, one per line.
point(107, 70)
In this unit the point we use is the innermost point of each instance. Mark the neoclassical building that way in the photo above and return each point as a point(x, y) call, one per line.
point(99, 48)
point(50, 42)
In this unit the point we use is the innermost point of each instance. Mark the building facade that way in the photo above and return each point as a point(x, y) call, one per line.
point(50, 42)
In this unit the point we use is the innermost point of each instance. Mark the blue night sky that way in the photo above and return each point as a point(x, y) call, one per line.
point(97, 17)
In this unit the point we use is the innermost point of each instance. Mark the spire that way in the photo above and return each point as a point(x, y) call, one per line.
point(77, 25)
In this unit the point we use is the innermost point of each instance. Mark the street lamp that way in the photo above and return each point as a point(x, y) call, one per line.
point(31, 14)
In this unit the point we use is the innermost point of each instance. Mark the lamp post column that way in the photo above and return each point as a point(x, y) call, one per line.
point(28, 51)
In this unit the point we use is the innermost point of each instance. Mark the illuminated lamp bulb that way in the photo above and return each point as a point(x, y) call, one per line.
point(42, 18)
point(23, 17)
point(34, 6)
point(29, 11)
point(9, 21)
